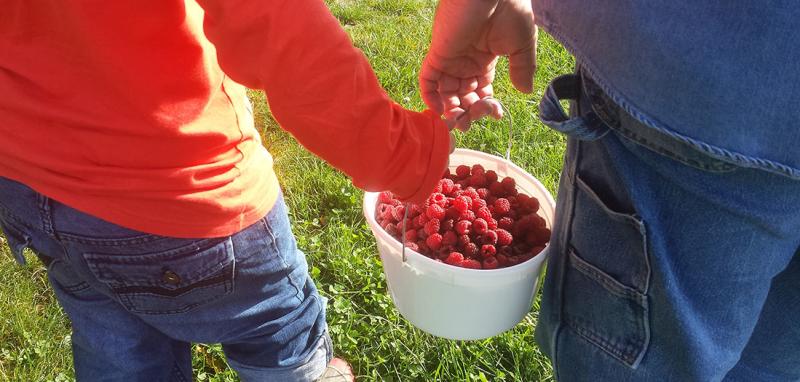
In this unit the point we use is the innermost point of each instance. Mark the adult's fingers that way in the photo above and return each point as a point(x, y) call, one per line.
point(429, 87)
point(486, 91)
point(522, 66)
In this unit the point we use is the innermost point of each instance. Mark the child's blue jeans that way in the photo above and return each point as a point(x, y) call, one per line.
point(667, 263)
point(136, 301)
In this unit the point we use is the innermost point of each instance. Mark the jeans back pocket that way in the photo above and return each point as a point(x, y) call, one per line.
point(605, 279)
point(170, 281)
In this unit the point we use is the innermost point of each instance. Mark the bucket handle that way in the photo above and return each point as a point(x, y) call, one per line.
point(508, 158)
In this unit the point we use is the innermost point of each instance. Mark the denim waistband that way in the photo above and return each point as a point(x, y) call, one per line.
point(606, 115)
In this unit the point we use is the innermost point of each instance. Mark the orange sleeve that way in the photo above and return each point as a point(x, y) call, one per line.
point(322, 90)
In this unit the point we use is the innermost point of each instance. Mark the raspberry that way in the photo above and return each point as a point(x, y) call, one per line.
point(439, 198)
point(423, 248)
point(441, 254)
point(491, 176)
point(434, 241)
point(477, 180)
point(385, 212)
point(543, 234)
point(471, 264)
point(502, 206)
point(419, 221)
point(432, 226)
point(478, 169)
point(463, 240)
point(497, 189)
point(520, 249)
point(505, 251)
point(452, 213)
point(391, 229)
point(532, 204)
point(506, 223)
point(490, 237)
point(536, 250)
point(479, 203)
point(449, 238)
point(479, 226)
point(446, 186)
point(438, 187)
point(398, 212)
point(471, 192)
point(522, 225)
point(462, 203)
point(462, 171)
point(463, 227)
point(435, 211)
point(509, 183)
point(411, 235)
point(454, 258)
point(467, 215)
point(471, 249)
point(502, 260)
point(412, 246)
point(484, 214)
point(504, 237)
point(492, 224)
point(385, 197)
point(525, 257)
point(483, 192)
point(490, 263)
point(488, 250)
point(447, 225)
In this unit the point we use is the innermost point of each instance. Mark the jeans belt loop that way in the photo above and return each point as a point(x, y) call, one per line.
point(587, 127)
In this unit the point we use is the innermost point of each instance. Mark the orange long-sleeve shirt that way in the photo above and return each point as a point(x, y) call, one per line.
point(131, 110)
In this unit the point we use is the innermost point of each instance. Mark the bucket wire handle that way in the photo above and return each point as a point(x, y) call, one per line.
point(407, 206)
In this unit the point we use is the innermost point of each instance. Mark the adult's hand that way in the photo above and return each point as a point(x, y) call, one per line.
point(468, 37)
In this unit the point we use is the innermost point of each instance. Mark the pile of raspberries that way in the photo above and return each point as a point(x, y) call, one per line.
point(473, 219)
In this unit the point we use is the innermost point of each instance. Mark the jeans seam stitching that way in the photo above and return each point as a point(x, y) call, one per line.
point(142, 239)
point(718, 167)
point(613, 286)
point(274, 245)
point(177, 371)
point(605, 345)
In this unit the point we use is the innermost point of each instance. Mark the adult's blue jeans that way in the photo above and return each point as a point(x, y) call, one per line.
point(666, 264)
point(136, 301)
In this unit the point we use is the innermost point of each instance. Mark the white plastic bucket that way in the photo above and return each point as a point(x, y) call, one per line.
point(460, 303)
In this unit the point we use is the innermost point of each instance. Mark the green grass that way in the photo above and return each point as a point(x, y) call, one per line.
point(326, 215)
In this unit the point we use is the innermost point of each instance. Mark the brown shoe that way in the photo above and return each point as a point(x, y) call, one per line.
point(338, 370)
